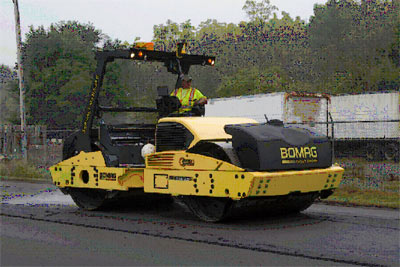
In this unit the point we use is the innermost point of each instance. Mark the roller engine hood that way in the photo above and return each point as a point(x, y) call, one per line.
point(266, 147)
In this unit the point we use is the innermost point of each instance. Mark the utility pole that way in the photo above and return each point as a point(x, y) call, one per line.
point(21, 82)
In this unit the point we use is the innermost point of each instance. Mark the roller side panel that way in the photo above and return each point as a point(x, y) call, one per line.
point(88, 170)
point(182, 173)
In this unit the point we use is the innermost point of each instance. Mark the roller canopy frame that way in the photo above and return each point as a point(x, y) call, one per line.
point(175, 62)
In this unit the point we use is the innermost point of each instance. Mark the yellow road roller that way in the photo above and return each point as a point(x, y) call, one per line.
point(214, 165)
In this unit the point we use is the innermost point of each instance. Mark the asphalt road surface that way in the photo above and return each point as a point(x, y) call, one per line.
point(41, 226)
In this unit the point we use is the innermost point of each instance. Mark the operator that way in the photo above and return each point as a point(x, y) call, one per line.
point(188, 96)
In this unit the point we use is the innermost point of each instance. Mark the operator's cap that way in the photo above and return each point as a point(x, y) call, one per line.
point(187, 78)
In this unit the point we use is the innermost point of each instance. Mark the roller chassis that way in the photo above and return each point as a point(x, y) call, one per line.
point(206, 178)
point(206, 175)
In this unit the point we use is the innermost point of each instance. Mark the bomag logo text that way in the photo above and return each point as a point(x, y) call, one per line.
point(186, 162)
point(108, 176)
point(297, 153)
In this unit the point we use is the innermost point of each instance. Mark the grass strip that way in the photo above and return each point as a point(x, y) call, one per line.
point(354, 196)
point(22, 170)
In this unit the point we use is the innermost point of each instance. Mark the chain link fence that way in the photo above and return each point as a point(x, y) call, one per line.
point(44, 146)
point(44, 149)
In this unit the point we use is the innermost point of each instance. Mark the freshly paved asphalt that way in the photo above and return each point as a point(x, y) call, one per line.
point(41, 226)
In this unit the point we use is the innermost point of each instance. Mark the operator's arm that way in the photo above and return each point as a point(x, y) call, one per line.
point(200, 98)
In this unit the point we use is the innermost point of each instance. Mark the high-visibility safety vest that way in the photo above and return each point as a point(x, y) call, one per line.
point(187, 97)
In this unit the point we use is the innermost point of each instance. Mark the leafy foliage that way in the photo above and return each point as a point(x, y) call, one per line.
point(9, 93)
point(59, 63)
point(354, 44)
point(348, 46)
point(253, 81)
point(259, 10)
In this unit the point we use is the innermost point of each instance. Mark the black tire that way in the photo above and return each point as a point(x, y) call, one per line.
point(391, 152)
point(272, 206)
point(300, 204)
point(88, 199)
point(373, 152)
point(208, 209)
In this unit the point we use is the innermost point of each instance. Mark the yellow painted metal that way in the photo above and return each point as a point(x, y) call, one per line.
point(180, 160)
point(207, 128)
point(181, 173)
point(88, 170)
point(239, 184)
point(285, 182)
point(83, 158)
point(133, 178)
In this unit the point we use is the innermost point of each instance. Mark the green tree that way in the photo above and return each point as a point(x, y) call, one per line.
point(352, 44)
point(9, 96)
point(259, 10)
point(348, 46)
point(253, 80)
point(59, 63)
